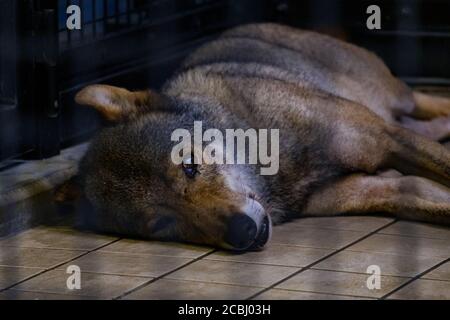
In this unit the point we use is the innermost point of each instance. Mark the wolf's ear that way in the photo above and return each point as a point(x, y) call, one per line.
point(117, 104)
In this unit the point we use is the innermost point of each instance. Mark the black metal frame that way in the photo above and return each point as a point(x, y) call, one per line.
point(138, 43)
point(8, 77)
point(414, 40)
point(29, 109)
point(17, 114)
point(131, 43)
point(160, 33)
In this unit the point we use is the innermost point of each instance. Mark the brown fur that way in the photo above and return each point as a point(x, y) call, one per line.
point(336, 106)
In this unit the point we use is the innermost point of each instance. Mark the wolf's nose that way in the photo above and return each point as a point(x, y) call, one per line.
point(241, 232)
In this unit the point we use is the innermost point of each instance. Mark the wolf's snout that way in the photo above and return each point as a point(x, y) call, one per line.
point(241, 231)
point(249, 231)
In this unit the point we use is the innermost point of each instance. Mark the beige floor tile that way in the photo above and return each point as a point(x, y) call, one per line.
point(35, 257)
point(279, 294)
point(423, 289)
point(31, 295)
point(314, 237)
point(404, 246)
point(342, 283)
point(390, 264)
point(282, 255)
point(157, 248)
point(55, 237)
point(92, 284)
point(11, 275)
point(416, 229)
point(350, 223)
point(127, 264)
point(403, 249)
point(440, 273)
point(232, 273)
point(166, 289)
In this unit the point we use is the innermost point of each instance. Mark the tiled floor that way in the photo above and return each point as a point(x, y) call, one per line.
point(313, 258)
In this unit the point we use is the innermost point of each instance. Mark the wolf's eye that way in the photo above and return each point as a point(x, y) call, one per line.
point(190, 168)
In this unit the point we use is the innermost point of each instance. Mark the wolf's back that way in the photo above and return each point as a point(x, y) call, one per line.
point(307, 59)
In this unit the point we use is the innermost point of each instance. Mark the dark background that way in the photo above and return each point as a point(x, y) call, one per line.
point(139, 43)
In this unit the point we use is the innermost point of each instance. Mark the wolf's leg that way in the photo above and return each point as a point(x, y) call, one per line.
point(430, 116)
point(371, 145)
point(407, 197)
point(412, 154)
point(436, 129)
point(429, 106)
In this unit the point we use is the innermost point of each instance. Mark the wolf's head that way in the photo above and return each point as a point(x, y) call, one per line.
point(136, 188)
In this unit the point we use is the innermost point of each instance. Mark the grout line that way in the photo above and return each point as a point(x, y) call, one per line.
point(152, 254)
point(81, 297)
point(321, 259)
point(420, 275)
point(102, 273)
point(414, 236)
point(59, 264)
point(360, 273)
point(435, 280)
point(312, 226)
point(46, 248)
point(330, 294)
point(257, 263)
point(22, 267)
point(396, 254)
point(163, 275)
point(281, 244)
point(242, 285)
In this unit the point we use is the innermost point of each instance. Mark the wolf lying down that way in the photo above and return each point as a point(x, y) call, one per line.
point(353, 140)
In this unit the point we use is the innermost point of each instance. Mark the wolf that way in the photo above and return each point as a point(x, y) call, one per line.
point(354, 140)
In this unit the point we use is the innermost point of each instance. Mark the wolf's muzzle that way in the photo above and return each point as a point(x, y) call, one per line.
point(263, 235)
point(250, 230)
point(241, 231)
